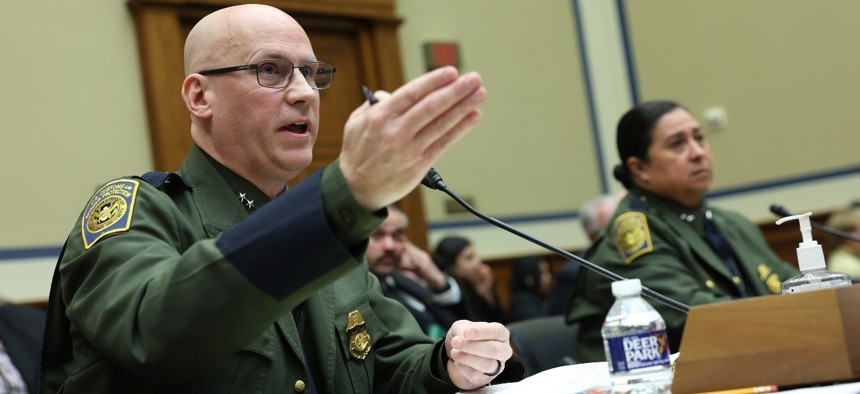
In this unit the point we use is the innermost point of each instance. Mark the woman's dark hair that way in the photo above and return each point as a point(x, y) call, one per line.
point(634, 133)
point(447, 251)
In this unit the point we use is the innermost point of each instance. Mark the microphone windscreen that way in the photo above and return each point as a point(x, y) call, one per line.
point(432, 179)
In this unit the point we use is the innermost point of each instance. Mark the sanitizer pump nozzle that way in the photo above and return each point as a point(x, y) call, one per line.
point(810, 260)
point(810, 255)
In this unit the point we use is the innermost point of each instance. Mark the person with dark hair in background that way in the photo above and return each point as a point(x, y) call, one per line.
point(457, 256)
point(666, 234)
point(21, 331)
point(220, 279)
point(530, 286)
point(408, 275)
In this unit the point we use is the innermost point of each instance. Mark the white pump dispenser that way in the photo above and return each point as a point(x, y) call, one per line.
point(810, 259)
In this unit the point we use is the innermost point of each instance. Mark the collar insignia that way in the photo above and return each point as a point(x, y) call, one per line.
point(245, 201)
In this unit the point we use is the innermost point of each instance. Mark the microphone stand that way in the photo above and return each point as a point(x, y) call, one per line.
point(434, 181)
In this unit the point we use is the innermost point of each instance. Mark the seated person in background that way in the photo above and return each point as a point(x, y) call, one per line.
point(408, 275)
point(594, 216)
point(21, 330)
point(596, 213)
point(845, 253)
point(456, 256)
point(666, 234)
point(529, 289)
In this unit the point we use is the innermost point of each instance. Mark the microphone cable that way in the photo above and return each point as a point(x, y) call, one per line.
point(434, 181)
point(781, 211)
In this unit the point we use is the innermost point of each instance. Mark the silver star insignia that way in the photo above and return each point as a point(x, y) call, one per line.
point(244, 200)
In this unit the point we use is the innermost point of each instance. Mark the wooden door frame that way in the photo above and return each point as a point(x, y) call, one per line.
point(161, 40)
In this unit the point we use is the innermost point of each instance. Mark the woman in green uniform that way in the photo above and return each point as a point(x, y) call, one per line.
point(666, 234)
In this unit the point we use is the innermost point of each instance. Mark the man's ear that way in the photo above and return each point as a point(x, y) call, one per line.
point(639, 169)
point(194, 94)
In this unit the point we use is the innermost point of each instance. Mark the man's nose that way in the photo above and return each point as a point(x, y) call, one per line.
point(299, 89)
point(387, 242)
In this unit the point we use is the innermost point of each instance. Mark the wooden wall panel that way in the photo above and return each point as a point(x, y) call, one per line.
point(161, 40)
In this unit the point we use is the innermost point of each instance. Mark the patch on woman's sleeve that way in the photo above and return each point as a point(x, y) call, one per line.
point(109, 211)
point(631, 236)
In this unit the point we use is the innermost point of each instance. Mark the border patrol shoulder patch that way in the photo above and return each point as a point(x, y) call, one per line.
point(109, 211)
point(631, 235)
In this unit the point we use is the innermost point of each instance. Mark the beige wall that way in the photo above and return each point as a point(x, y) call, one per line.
point(787, 81)
point(787, 72)
point(534, 152)
point(72, 116)
point(72, 113)
point(536, 131)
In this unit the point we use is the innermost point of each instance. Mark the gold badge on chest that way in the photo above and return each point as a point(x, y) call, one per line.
point(359, 339)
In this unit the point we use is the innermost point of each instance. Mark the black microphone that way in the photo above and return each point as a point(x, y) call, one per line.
point(781, 211)
point(434, 181)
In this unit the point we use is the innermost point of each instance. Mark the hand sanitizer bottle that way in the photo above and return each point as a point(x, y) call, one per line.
point(810, 259)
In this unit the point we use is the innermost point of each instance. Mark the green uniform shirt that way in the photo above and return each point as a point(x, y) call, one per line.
point(187, 287)
point(664, 245)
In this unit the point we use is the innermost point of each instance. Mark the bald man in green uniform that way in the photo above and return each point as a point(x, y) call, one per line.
point(217, 279)
point(666, 234)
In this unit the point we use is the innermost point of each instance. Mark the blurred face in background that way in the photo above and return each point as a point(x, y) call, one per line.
point(387, 245)
point(545, 278)
point(468, 265)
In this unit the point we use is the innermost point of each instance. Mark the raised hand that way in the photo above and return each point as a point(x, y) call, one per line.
point(388, 147)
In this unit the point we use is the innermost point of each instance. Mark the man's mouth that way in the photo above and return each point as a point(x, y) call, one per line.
point(298, 127)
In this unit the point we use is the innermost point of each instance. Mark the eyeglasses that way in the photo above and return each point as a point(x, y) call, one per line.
point(277, 74)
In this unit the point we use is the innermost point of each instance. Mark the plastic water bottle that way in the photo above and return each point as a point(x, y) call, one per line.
point(634, 338)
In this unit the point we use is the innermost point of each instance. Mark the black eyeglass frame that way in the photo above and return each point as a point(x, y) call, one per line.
point(256, 68)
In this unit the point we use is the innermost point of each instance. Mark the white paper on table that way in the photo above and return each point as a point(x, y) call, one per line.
point(577, 378)
point(566, 379)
